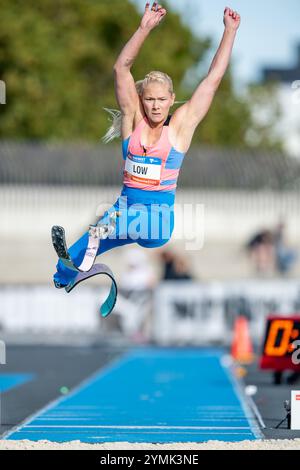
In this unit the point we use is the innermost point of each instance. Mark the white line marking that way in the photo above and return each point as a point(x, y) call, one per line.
point(256, 412)
point(249, 414)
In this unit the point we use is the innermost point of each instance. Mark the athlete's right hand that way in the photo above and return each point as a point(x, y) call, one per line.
point(152, 17)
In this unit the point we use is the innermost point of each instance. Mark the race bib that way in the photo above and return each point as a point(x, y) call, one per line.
point(143, 169)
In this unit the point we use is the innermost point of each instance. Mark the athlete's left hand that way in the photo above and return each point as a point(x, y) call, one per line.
point(232, 19)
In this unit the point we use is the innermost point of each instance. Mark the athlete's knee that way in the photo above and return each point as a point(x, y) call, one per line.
point(153, 243)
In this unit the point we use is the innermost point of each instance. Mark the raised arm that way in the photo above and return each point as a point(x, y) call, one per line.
point(126, 93)
point(194, 110)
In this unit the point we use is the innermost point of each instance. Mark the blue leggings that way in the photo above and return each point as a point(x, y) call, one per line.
point(147, 218)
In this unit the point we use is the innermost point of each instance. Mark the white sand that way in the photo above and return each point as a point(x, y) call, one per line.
point(210, 445)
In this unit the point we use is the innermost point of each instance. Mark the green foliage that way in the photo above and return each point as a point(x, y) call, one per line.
point(57, 57)
point(266, 113)
point(227, 122)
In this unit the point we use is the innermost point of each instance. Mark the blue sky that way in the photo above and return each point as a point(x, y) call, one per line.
point(268, 35)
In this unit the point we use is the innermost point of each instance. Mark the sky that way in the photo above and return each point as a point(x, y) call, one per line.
point(268, 35)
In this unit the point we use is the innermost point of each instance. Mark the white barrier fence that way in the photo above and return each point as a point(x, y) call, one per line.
point(182, 311)
point(195, 313)
point(219, 234)
point(229, 215)
point(42, 309)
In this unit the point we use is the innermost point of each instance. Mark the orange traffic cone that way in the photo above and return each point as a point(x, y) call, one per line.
point(242, 349)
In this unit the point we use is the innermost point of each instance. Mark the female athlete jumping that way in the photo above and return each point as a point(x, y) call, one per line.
point(154, 145)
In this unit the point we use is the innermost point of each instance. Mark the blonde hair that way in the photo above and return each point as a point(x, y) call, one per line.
point(114, 130)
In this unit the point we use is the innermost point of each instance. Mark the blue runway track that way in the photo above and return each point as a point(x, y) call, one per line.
point(149, 395)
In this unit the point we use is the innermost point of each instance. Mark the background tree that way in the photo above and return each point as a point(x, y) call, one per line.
point(57, 57)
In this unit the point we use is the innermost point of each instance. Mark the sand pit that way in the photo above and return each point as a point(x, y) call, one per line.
point(272, 444)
